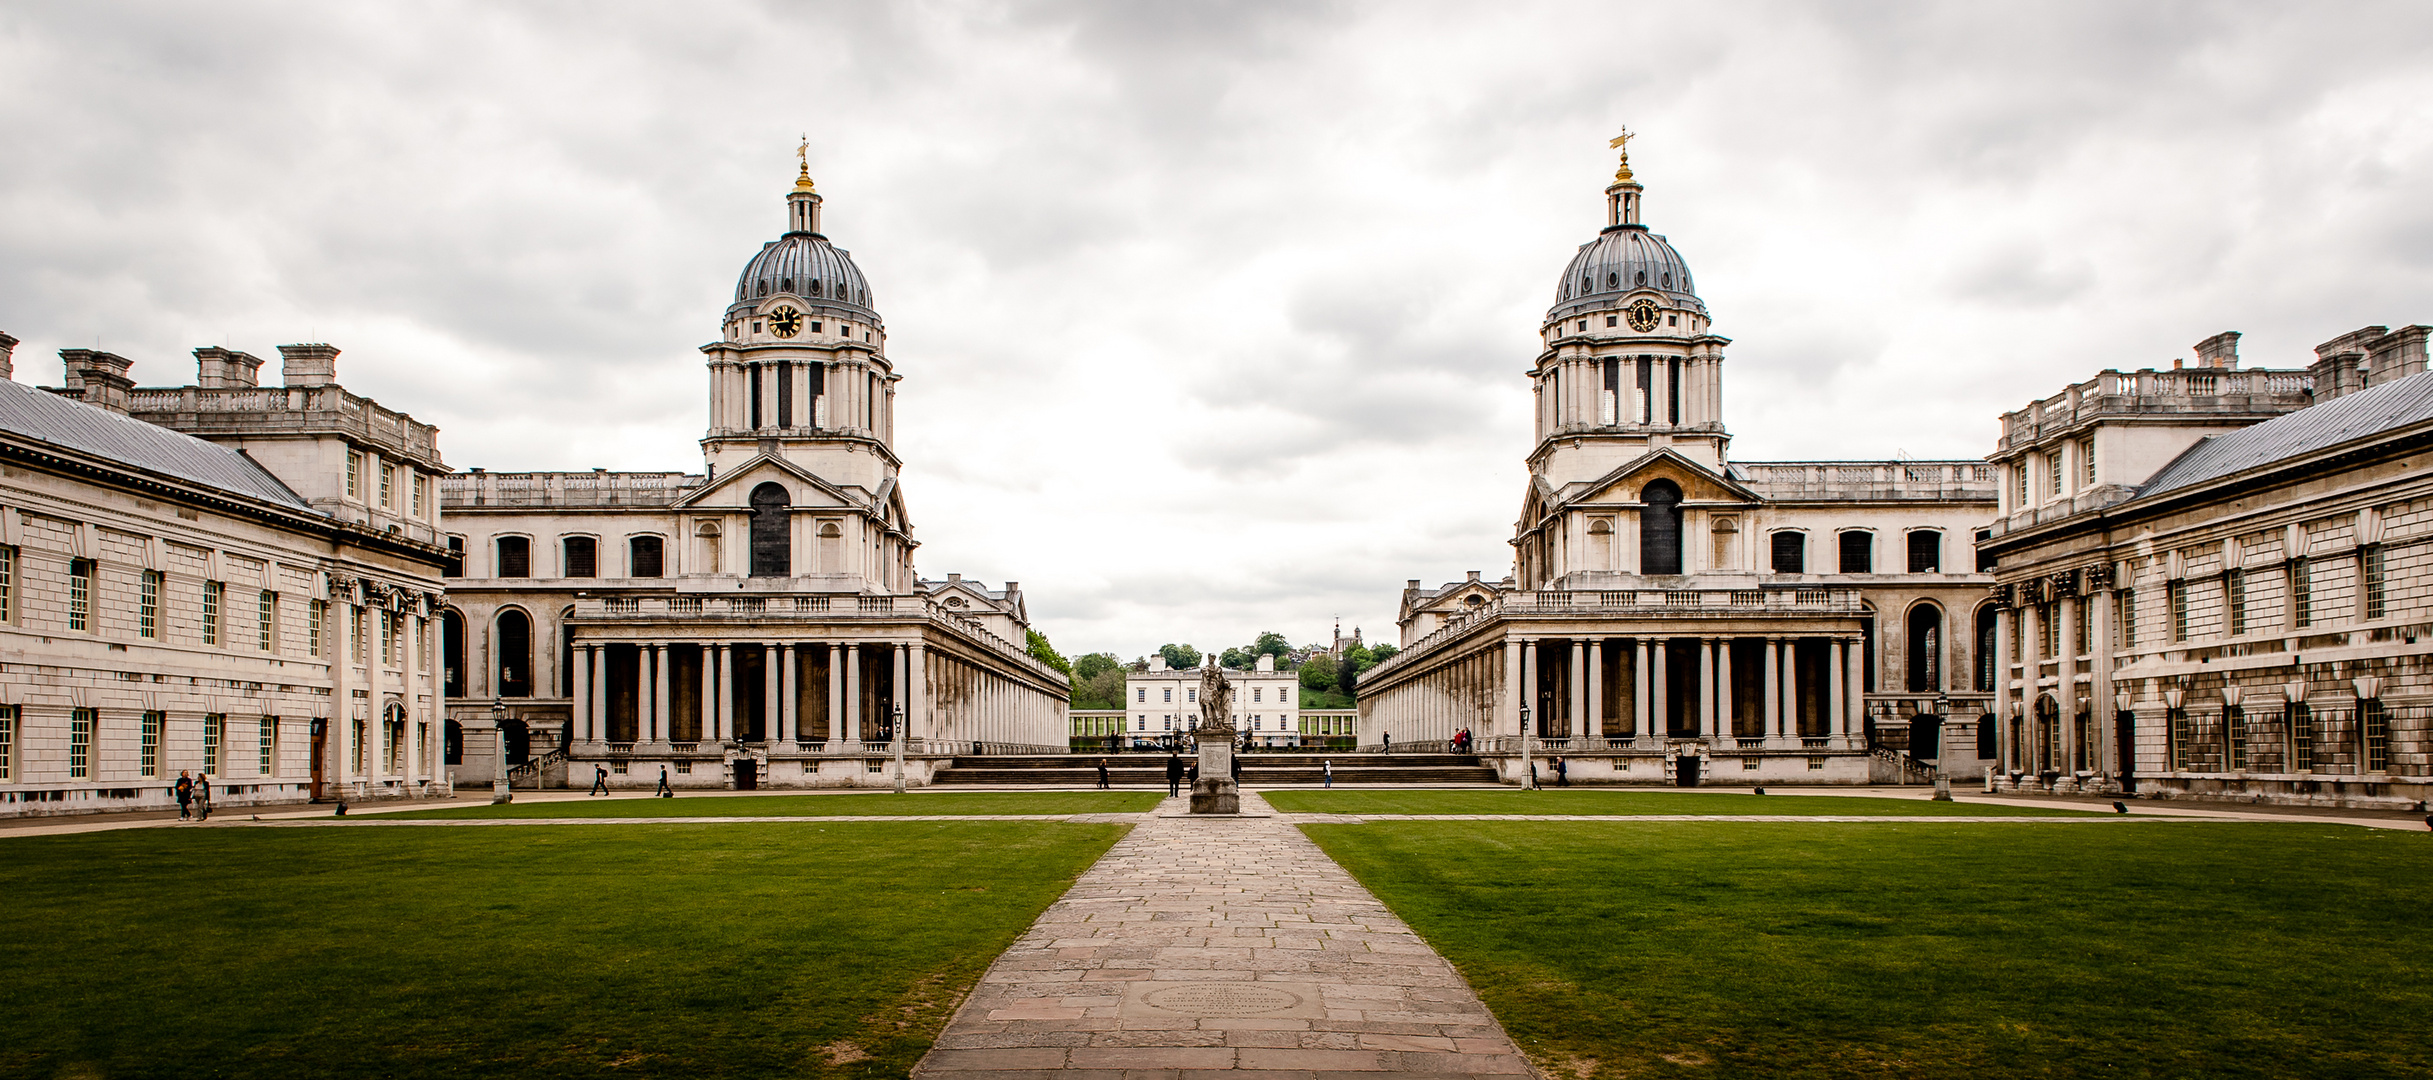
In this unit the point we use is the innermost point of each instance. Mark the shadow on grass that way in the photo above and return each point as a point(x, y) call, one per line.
point(1627, 803)
point(1755, 949)
point(666, 950)
point(874, 804)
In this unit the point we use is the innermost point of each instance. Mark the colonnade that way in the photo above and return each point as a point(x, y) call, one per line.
point(2079, 679)
point(654, 683)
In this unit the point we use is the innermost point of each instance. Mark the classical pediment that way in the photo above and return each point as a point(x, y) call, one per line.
point(1623, 485)
point(733, 489)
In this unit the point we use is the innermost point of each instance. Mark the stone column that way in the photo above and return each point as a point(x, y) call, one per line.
point(1662, 699)
point(789, 727)
point(1529, 687)
point(582, 694)
point(1706, 688)
point(1509, 709)
point(659, 689)
point(1854, 679)
point(770, 680)
point(1837, 716)
point(853, 693)
point(2065, 689)
point(2099, 652)
point(1578, 712)
point(916, 693)
point(836, 692)
point(1723, 687)
point(708, 709)
point(1791, 717)
point(1774, 693)
point(726, 691)
point(1595, 726)
point(599, 687)
point(1642, 692)
point(2005, 687)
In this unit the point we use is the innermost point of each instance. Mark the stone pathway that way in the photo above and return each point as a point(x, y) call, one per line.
point(1201, 949)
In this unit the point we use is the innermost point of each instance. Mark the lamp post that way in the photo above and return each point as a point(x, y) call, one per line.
point(500, 790)
point(899, 747)
point(1525, 764)
point(1942, 739)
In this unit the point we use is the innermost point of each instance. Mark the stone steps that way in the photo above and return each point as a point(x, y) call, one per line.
point(1070, 770)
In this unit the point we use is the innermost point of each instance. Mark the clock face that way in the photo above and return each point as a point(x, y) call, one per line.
point(1643, 315)
point(784, 321)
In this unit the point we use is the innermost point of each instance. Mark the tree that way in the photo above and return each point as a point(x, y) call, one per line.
point(1236, 658)
point(1272, 644)
point(1347, 677)
point(1380, 653)
point(1098, 681)
point(1180, 657)
point(1045, 653)
point(1092, 665)
point(1318, 673)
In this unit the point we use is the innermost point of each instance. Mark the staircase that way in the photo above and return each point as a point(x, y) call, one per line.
point(1258, 770)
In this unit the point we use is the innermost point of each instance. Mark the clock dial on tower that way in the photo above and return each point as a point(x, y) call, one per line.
point(784, 321)
point(1643, 315)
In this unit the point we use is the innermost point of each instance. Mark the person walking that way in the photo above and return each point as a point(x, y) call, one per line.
point(185, 795)
point(1102, 774)
point(1533, 776)
point(599, 781)
point(665, 792)
point(1174, 776)
point(202, 797)
point(1389, 742)
point(1328, 768)
point(1562, 772)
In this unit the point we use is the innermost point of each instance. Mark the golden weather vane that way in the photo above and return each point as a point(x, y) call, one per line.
point(1621, 142)
point(802, 153)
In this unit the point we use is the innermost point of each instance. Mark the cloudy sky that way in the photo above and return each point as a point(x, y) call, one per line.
point(1213, 317)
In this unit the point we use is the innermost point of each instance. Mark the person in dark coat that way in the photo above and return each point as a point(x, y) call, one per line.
point(599, 781)
point(1562, 773)
point(665, 792)
point(185, 794)
point(202, 797)
point(1174, 776)
point(1102, 774)
point(1192, 774)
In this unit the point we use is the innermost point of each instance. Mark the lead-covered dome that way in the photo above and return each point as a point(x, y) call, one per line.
point(1622, 260)
point(805, 265)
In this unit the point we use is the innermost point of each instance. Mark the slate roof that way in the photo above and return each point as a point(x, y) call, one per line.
point(44, 417)
point(2316, 427)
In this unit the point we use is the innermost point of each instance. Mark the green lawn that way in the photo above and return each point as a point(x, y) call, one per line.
point(874, 804)
point(1608, 801)
point(1748, 949)
point(625, 950)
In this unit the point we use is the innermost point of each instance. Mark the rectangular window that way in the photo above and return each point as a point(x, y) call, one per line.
point(8, 584)
point(785, 394)
point(266, 621)
point(80, 594)
point(421, 482)
point(456, 558)
point(313, 614)
point(2128, 618)
point(2085, 641)
point(214, 725)
point(2019, 491)
point(2301, 590)
point(2234, 597)
point(2234, 729)
point(388, 642)
point(148, 607)
point(1169, 693)
point(2369, 564)
point(148, 760)
point(80, 742)
point(1257, 694)
point(1858, 552)
point(354, 628)
point(2052, 461)
point(2176, 592)
point(8, 742)
point(1925, 552)
point(212, 591)
point(354, 475)
point(268, 755)
point(388, 487)
point(1141, 694)
point(2180, 737)
point(1790, 552)
point(2301, 737)
point(2375, 726)
point(514, 556)
point(2086, 462)
point(582, 557)
point(647, 557)
point(2048, 630)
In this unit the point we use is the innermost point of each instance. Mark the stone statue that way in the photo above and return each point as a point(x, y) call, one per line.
point(1214, 792)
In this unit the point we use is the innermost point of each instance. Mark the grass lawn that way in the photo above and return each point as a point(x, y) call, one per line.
point(1609, 801)
point(627, 950)
point(875, 804)
point(1760, 949)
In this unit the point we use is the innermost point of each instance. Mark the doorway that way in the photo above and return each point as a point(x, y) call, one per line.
point(320, 755)
point(747, 775)
point(2126, 749)
point(1685, 770)
point(1926, 737)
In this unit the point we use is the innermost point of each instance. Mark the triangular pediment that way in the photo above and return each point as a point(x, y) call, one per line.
point(1698, 483)
point(733, 490)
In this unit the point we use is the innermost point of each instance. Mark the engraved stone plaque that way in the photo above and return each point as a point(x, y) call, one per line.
point(1223, 999)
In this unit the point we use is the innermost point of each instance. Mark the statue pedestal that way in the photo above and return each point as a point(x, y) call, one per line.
point(1214, 792)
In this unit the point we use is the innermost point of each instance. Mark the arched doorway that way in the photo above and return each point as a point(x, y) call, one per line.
point(514, 654)
point(1926, 737)
point(514, 742)
point(1925, 649)
point(452, 654)
point(1986, 621)
point(1660, 528)
point(772, 546)
point(452, 744)
point(393, 739)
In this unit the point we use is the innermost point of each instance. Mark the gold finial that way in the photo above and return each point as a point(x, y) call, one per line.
point(802, 181)
point(1621, 142)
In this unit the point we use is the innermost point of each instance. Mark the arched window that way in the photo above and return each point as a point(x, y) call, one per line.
point(831, 548)
point(1660, 528)
point(772, 548)
point(1601, 544)
point(1790, 552)
point(646, 556)
point(452, 653)
point(708, 533)
point(1985, 652)
point(514, 556)
point(1858, 552)
point(1925, 649)
point(1925, 551)
point(514, 654)
point(582, 557)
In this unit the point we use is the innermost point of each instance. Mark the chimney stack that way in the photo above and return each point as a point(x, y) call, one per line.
point(97, 378)
point(2339, 367)
point(8, 349)
point(310, 365)
point(2219, 351)
point(2396, 355)
point(222, 369)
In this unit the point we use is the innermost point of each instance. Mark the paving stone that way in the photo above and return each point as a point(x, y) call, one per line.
point(1201, 949)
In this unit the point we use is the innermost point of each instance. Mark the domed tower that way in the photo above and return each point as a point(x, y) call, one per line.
point(801, 371)
point(1629, 367)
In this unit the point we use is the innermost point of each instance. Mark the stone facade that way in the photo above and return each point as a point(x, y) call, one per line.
point(1776, 622)
point(2244, 617)
point(758, 623)
point(256, 604)
point(1165, 701)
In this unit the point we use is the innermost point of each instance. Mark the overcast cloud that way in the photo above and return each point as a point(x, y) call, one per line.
point(1213, 318)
